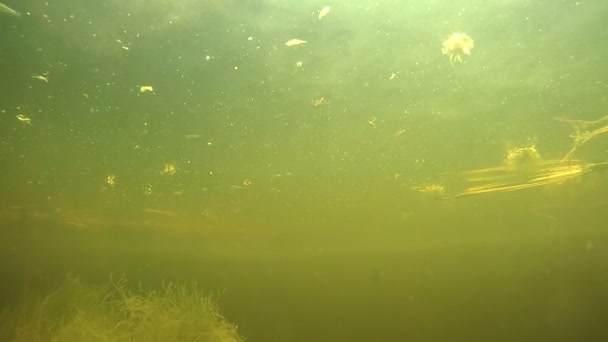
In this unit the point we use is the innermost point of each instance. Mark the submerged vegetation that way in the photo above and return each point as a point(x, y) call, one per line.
point(77, 311)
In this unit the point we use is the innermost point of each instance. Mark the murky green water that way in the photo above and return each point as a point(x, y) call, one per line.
point(184, 140)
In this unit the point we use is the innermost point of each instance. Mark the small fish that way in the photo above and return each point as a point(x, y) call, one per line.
point(161, 212)
point(192, 136)
point(43, 78)
point(8, 10)
point(323, 12)
point(294, 42)
point(24, 119)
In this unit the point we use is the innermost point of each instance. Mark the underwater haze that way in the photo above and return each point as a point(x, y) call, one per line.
point(333, 171)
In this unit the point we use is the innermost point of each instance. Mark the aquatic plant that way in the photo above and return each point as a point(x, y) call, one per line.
point(77, 311)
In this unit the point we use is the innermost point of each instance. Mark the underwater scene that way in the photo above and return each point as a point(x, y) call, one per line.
point(274, 170)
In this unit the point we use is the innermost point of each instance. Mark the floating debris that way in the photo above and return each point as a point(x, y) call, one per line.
point(111, 180)
point(457, 47)
point(294, 42)
point(320, 101)
point(433, 191)
point(122, 45)
point(525, 159)
point(584, 132)
point(169, 170)
point(400, 131)
point(373, 121)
